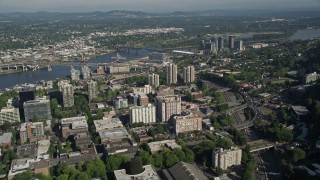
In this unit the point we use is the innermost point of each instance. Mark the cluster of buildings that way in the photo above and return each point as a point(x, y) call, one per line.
point(216, 44)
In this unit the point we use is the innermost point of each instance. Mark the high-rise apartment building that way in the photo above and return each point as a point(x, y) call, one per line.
point(224, 158)
point(188, 74)
point(153, 80)
point(38, 108)
point(75, 74)
point(238, 45)
point(145, 114)
point(231, 42)
point(171, 71)
point(120, 102)
point(67, 95)
point(29, 131)
point(92, 90)
point(86, 72)
point(187, 122)
point(220, 43)
point(167, 107)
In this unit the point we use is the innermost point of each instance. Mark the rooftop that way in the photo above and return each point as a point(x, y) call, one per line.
point(107, 124)
point(114, 134)
point(184, 171)
point(5, 138)
point(27, 151)
point(67, 121)
point(159, 145)
point(300, 110)
point(149, 173)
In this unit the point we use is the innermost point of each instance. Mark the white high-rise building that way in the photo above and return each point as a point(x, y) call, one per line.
point(75, 74)
point(92, 90)
point(153, 80)
point(67, 95)
point(188, 74)
point(145, 114)
point(86, 72)
point(168, 106)
point(9, 114)
point(172, 71)
point(225, 158)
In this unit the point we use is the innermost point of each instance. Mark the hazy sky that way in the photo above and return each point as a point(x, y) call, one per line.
point(148, 5)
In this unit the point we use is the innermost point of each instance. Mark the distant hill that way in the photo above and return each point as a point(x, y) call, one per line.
point(42, 15)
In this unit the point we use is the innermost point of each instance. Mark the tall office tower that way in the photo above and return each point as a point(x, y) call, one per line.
point(92, 90)
point(67, 95)
point(86, 72)
point(188, 74)
point(231, 42)
point(75, 74)
point(153, 80)
point(24, 96)
point(238, 45)
point(145, 114)
point(220, 43)
point(171, 73)
point(167, 107)
point(38, 108)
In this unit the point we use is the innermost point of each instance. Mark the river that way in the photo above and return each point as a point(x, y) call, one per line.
point(10, 80)
point(305, 34)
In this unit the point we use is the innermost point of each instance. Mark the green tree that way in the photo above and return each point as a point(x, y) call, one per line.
point(135, 167)
point(158, 160)
point(170, 159)
point(23, 176)
point(63, 177)
point(296, 154)
point(115, 161)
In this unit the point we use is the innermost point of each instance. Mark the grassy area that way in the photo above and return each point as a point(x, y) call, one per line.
point(282, 80)
point(266, 111)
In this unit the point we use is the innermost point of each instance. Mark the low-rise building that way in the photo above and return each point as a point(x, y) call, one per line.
point(224, 158)
point(82, 139)
point(107, 124)
point(299, 112)
point(145, 114)
point(27, 151)
point(113, 135)
point(160, 145)
point(146, 89)
point(31, 132)
point(187, 122)
point(118, 69)
point(5, 140)
point(27, 164)
point(185, 171)
point(148, 174)
point(73, 125)
point(207, 124)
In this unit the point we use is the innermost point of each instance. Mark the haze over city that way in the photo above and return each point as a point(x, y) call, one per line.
point(150, 6)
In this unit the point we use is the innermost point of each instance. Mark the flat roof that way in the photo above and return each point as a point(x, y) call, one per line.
point(5, 138)
point(107, 124)
point(159, 145)
point(114, 134)
point(65, 121)
point(300, 110)
point(149, 173)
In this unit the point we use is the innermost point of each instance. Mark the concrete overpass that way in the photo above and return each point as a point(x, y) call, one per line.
point(260, 145)
point(237, 108)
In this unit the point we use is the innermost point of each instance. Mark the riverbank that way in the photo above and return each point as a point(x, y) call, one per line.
point(5, 72)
